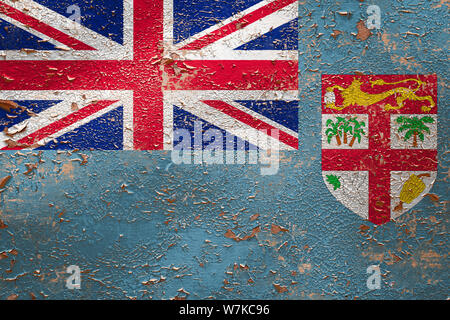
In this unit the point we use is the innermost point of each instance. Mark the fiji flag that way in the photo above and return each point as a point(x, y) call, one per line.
point(127, 74)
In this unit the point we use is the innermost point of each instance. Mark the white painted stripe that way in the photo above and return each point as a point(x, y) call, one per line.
point(230, 95)
point(217, 26)
point(272, 55)
point(235, 127)
point(224, 47)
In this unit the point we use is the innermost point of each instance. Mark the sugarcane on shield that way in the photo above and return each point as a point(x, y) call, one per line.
point(379, 141)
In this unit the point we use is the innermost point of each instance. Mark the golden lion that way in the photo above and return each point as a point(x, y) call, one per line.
point(353, 95)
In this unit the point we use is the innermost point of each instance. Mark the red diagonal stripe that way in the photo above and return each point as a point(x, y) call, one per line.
point(43, 28)
point(61, 124)
point(251, 121)
point(238, 24)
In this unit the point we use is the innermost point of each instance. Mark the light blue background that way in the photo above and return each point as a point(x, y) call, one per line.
point(168, 222)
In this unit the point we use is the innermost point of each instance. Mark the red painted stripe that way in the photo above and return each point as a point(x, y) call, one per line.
point(392, 160)
point(232, 75)
point(145, 75)
point(43, 28)
point(238, 24)
point(122, 75)
point(379, 196)
point(252, 121)
point(61, 124)
point(68, 75)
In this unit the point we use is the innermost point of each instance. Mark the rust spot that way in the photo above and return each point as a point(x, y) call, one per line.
point(84, 157)
point(280, 288)
point(4, 181)
point(433, 197)
point(363, 32)
point(336, 33)
point(277, 229)
point(231, 235)
point(12, 297)
point(8, 105)
point(3, 225)
point(30, 168)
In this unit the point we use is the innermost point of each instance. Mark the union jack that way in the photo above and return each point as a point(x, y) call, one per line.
point(128, 73)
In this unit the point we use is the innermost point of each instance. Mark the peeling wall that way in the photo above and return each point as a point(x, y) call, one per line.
point(141, 227)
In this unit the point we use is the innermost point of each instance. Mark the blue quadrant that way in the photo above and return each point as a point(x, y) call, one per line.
point(282, 112)
point(102, 16)
point(15, 38)
point(284, 37)
point(102, 133)
point(183, 119)
point(194, 16)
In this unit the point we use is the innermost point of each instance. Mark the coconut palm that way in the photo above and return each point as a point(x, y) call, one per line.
point(346, 127)
point(334, 131)
point(358, 130)
point(414, 127)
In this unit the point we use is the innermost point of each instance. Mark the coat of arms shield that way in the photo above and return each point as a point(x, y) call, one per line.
point(379, 141)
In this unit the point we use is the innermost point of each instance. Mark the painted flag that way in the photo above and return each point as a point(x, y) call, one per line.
point(126, 74)
point(379, 141)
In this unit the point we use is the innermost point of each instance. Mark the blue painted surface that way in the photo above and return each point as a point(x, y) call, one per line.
point(284, 37)
point(129, 217)
point(194, 16)
point(282, 112)
point(105, 17)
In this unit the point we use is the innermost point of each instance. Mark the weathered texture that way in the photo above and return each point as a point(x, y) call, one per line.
point(139, 226)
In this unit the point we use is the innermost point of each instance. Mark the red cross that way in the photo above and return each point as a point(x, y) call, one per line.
point(144, 75)
point(379, 159)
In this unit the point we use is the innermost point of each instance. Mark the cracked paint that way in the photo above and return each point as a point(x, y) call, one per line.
point(140, 227)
